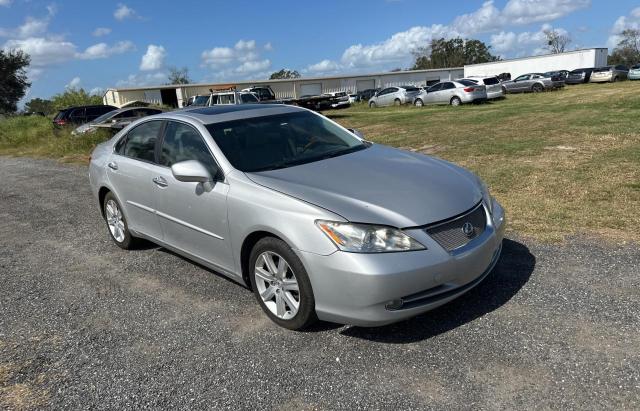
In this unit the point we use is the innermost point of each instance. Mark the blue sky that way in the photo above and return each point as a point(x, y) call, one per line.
point(101, 44)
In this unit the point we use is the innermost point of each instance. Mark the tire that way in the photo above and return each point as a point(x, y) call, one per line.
point(372, 104)
point(537, 88)
point(455, 101)
point(504, 90)
point(418, 102)
point(117, 223)
point(397, 102)
point(615, 79)
point(276, 292)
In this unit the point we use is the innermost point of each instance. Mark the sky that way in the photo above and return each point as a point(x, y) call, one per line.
point(101, 44)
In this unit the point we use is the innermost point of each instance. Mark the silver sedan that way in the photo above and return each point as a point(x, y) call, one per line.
point(452, 92)
point(318, 222)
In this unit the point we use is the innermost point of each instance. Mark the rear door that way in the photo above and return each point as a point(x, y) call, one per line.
point(130, 171)
point(193, 216)
point(448, 90)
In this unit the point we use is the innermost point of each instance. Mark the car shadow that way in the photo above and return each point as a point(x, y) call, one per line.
point(510, 274)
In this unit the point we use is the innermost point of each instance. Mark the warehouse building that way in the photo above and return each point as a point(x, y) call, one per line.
point(570, 60)
point(175, 95)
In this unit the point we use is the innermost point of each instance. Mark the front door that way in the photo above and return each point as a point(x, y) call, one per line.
point(129, 170)
point(193, 216)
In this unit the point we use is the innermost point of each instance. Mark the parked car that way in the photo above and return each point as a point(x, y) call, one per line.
point(116, 120)
point(340, 99)
point(366, 95)
point(318, 222)
point(80, 114)
point(535, 82)
point(263, 93)
point(452, 92)
point(394, 96)
point(609, 74)
point(557, 74)
point(634, 72)
point(579, 76)
point(354, 98)
point(494, 89)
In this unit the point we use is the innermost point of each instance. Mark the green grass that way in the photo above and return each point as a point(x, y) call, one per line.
point(562, 163)
point(34, 136)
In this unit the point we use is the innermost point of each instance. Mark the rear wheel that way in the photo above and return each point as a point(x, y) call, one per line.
point(397, 102)
point(372, 104)
point(537, 88)
point(117, 223)
point(614, 79)
point(281, 284)
point(455, 101)
point(418, 102)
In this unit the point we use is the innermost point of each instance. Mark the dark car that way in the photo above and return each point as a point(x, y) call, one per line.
point(579, 76)
point(365, 95)
point(80, 114)
point(263, 93)
point(557, 74)
point(116, 120)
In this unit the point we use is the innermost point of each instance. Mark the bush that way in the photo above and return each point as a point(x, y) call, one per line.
point(35, 136)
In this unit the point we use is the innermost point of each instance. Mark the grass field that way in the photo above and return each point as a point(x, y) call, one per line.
point(562, 163)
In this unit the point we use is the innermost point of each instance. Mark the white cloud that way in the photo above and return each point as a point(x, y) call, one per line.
point(244, 54)
point(524, 43)
point(74, 83)
point(103, 50)
point(31, 27)
point(123, 12)
point(101, 31)
point(153, 59)
point(398, 48)
point(325, 66)
point(140, 80)
point(44, 51)
point(5, 3)
point(622, 23)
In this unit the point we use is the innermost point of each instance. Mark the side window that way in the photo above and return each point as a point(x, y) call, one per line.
point(181, 143)
point(141, 141)
point(77, 114)
point(523, 77)
point(448, 86)
point(436, 87)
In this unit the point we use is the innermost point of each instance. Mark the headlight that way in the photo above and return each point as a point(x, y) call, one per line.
point(365, 238)
point(486, 196)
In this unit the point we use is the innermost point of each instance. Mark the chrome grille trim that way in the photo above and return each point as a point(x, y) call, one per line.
point(449, 233)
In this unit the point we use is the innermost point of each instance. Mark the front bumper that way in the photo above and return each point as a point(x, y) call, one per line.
point(377, 289)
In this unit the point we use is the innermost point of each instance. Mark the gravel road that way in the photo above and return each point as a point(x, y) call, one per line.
point(85, 324)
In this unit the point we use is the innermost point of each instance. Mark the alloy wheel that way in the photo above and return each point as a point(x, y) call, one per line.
point(277, 285)
point(115, 221)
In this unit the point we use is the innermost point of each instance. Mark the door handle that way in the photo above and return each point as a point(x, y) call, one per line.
point(160, 181)
point(113, 165)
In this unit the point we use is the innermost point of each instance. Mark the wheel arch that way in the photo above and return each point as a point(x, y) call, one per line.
point(102, 193)
point(245, 251)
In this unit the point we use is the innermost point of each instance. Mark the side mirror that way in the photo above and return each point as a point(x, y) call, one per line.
point(356, 132)
point(190, 171)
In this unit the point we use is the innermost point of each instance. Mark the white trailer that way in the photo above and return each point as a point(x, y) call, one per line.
point(571, 60)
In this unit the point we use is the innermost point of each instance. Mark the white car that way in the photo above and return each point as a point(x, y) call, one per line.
point(342, 99)
point(492, 84)
point(394, 96)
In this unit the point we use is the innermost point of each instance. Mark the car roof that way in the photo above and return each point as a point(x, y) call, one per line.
point(230, 112)
point(90, 105)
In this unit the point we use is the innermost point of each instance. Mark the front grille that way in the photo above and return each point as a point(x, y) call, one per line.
point(451, 234)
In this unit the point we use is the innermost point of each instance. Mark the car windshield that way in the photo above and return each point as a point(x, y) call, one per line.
point(103, 118)
point(60, 115)
point(637, 66)
point(281, 141)
point(200, 100)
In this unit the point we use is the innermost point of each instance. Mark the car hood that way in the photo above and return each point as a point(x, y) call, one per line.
point(379, 185)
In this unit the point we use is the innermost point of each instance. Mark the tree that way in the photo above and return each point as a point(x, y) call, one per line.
point(179, 76)
point(627, 51)
point(457, 52)
point(38, 105)
point(556, 41)
point(74, 97)
point(13, 79)
point(284, 74)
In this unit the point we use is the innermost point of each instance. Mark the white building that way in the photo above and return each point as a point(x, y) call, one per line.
point(571, 60)
point(175, 95)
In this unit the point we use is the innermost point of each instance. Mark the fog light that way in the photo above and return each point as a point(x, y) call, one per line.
point(394, 304)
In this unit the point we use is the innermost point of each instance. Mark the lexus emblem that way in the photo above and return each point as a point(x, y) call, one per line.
point(467, 229)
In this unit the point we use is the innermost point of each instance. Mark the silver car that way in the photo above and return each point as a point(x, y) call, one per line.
point(394, 96)
point(609, 74)
point(318, 222)
point(492, 83)
point(534, 82)
point(452, 92)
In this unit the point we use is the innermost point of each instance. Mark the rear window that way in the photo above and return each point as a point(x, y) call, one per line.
point(637, 66)
point(491, 81)
point(602, 69)
point(248, 98)
point(410, 88)
point(467, 82)
point(60, 115)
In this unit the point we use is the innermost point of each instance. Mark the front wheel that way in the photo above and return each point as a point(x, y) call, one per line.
point(281, 284)
point(372, 104)
point(455, 101)
point(397, 102)
point(418, 102)
point(537, 88)
point(117, 223)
